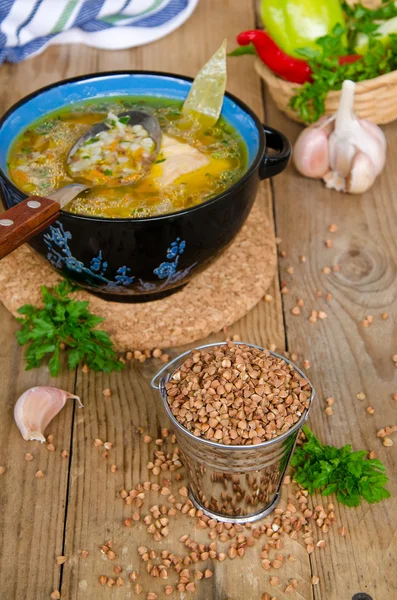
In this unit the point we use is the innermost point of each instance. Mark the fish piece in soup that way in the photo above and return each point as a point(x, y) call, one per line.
point(178, 158)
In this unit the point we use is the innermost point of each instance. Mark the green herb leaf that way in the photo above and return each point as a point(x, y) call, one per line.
point(91, 141)
point(108, 172)
point(63, 320)
point(45, 127)
point(124, 120)
point(360, 19)
point(330, 470)
point(328, 74)
point(241, 50)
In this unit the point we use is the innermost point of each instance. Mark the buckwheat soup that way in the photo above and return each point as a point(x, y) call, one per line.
point(193, 165)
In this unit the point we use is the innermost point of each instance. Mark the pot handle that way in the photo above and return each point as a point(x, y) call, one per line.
point(273, 164)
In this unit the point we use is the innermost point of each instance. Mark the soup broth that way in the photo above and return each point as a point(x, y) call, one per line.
point(202, 162)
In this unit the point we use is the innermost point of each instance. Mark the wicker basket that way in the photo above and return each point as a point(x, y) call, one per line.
point(375, 99)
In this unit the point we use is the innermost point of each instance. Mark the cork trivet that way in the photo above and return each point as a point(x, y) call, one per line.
point(221, 295)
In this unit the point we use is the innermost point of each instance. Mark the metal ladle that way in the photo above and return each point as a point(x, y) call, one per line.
point(25, 220)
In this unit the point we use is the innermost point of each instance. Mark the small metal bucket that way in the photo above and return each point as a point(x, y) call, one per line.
point(238, 484)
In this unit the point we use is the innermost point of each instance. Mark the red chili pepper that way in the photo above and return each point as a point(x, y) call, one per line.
point(350, 58)
point(285, 66)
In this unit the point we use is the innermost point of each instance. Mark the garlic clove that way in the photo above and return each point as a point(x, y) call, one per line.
point(366, 142)
point(350, 130)
point(376, 131)
point(326, 124)
point(36, 408)
point(341, 155)
point(311, 155)
point(379, 155)
point(362, 174)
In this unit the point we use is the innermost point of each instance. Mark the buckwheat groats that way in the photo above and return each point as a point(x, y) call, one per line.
point(236, 394)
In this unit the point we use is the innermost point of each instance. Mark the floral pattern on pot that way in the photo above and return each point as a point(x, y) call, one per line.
point(60, 256)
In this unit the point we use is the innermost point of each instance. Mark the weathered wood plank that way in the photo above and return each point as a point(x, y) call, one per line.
point(346, 358)
point(95, 513)
point(32, 510)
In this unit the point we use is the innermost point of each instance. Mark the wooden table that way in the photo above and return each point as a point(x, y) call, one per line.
point(76, 505)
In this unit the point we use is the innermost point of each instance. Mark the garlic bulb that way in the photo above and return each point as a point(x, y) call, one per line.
point(311, 154)
point(36, 408)
point(346, 152)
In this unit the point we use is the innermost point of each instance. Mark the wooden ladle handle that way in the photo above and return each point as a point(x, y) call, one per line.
point(24, 220)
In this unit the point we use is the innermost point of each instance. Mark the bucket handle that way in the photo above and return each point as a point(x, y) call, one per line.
point(155, 383)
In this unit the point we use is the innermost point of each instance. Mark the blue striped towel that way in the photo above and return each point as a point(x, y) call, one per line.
point(28, 26)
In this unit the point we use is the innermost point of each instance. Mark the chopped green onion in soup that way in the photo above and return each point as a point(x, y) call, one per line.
point(117, 152)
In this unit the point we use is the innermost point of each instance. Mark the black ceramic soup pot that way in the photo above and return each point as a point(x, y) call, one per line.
point(143, 259)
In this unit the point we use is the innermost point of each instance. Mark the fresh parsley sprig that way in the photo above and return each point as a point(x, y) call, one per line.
point(63, 320)
point(361, 19)
point(330, 470)
point(328, 74)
